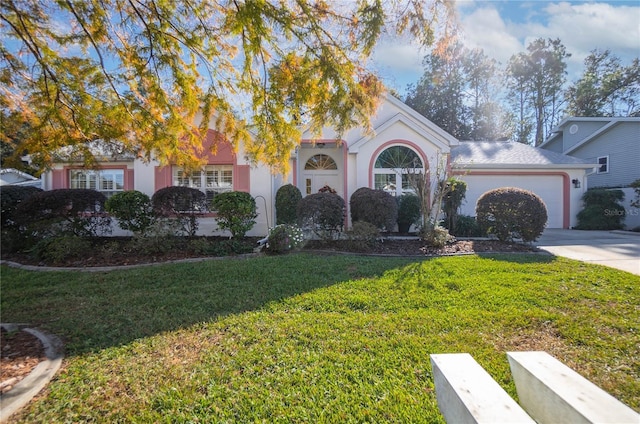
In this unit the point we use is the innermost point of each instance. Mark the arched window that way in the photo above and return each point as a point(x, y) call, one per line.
point(320, 162)
point(393, 167)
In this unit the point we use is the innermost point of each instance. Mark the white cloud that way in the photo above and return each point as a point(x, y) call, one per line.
point(484, 28)
point(503, 29)
point(581, 27)
point(398, 62)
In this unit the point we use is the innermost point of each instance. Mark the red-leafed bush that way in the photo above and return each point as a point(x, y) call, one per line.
point(10, 197)
point(322, 214)
point(77, 212)
point(182, 204)
point(377, 207)
point(511, 212)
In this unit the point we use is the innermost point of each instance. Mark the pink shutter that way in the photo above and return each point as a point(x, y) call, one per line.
point(128, 179)
point(58, 179)
point(162, 177)
point(242, 178)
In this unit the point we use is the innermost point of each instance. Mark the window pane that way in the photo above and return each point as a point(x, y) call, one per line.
point(320, 162)
point(386, 182)
point(398, 157)
point(604, 164)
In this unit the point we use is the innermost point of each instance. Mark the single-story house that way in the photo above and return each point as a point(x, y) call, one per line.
point(378, 160)
point(613, 143)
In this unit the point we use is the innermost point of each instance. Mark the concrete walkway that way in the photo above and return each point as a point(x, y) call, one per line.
point(615, 249)
point(31, 385)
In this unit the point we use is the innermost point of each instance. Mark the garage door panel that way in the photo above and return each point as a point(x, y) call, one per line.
point(548, 187)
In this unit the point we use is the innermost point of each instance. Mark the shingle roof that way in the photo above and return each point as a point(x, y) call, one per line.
point(501, 154)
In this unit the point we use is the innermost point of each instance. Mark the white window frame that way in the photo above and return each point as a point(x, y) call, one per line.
point(211, 179)
point(105, 181)
point(393, 175)
point(605, 164)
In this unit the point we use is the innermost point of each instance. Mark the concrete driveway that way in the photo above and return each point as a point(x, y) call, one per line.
point(616, 249)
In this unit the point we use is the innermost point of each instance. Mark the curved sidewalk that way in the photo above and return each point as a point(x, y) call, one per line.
point(615, 249)
point(31, 385)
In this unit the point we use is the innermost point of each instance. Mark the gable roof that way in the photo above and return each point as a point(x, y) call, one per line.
point(505, 154)
point(609, 122)
point(412, 120)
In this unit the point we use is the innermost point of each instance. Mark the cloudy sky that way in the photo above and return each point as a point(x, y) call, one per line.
point(505, 27)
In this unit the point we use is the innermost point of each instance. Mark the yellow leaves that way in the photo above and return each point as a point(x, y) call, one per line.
point(142, 72)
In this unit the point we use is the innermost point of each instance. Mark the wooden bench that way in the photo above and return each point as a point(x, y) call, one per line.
point(551, 392)
point(466, 393)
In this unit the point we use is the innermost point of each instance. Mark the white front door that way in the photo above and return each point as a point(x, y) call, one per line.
point(314, 180)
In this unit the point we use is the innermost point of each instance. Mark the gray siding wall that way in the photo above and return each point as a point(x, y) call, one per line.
point(585, 129)
point(622, 145)
point(555, 145)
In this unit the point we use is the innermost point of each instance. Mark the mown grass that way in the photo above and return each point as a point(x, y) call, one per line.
point(306, 338)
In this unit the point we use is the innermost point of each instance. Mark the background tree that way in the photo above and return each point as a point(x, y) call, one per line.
point(606, 88)
point(439, 95)
point(457, 92)
point(486, 115)
point(152, 74)
point(535, 79)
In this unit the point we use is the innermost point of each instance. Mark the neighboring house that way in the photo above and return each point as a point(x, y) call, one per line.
point(403, 141)
point(11, 176)
point(613, 144)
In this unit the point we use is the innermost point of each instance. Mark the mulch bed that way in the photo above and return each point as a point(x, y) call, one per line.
point(20, 353)
point(416, 247)
point(117, 251)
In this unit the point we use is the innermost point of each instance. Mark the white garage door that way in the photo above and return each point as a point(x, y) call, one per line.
point(547, 187)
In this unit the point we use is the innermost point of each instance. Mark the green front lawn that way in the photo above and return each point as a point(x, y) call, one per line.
point(307, 338)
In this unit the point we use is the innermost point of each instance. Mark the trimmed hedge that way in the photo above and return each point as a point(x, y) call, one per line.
point(452, 201)
point(287, 198)
point(182, 204)
point(376, 207)
point(133, 209)
point(10, 197)
point(511, 212)
point(321, 213)
point(236, 212)
point(409, 212)
point(601, 210)
point(78, 212)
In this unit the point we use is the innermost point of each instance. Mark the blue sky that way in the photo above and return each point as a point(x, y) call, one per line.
point(505, 27)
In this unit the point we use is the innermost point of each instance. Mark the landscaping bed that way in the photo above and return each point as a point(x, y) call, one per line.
point(115, 251)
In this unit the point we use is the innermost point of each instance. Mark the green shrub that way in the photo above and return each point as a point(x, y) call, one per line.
point(377, 207)
point(601, 210)
point(182, 204)
point(77, 212)
point(322, 214)
point(159, 238)
point(511, 212)
point(231, 247)
point(408, 212)
point(453, 200)
point(60, 249)
point(284, 238)
point(133, 210)
point(236, 212)
point(287, 198)
point(466, 226)
point(10, 197)
point(362, 236)
point(11, 239)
